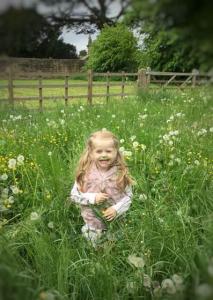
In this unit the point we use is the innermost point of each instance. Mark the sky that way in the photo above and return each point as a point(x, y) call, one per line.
point(80, 41)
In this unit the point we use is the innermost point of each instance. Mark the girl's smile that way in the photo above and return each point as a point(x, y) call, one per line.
point(104, 153)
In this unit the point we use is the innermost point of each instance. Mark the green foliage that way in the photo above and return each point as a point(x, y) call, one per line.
point(178, 33)
point(114, 50)
point(26, 33)
point(167, 51)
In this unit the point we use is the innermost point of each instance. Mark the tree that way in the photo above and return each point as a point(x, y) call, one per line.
point(114, 49)
point(83, 53)
point(25, 33)
point(86, 16)
point(178, 33)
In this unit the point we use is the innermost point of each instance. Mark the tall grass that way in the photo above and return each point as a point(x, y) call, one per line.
point(168, 228)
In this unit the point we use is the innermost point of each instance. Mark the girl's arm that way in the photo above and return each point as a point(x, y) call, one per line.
point(123, 205)
point(82, 198)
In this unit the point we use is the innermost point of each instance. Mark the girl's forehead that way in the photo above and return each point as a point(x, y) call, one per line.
point(101, 142)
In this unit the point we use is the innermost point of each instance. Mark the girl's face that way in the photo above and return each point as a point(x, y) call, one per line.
point(103, 153)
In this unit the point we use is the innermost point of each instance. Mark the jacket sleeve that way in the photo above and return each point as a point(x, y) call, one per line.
point(81, 198)
point(123, 205)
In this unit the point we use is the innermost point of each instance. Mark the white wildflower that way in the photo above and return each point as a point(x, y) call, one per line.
point(113, 116)
point(143, 147)
point(211, 129)
point(178, 281)
point(34, 216)
point(201, 132)
point(143, 117)
point(122, 141)
point(168, 286)
point(127, 153)
point(20, 160)
point(136, 261)
point(146, 281)
point(133, 137)
point(166, 137)
point(197, 163)
point(4, 176)
point(121, 149)
point(143, 197)
point(11, 199)
point(15, 190)
point(135, 144)
point(12, 163)
point(173, 133)
point(62, 121)
point(178, 160)
point(50, 225)
point(49, 153)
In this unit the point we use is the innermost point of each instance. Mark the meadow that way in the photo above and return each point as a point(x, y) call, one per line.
point(162, 248)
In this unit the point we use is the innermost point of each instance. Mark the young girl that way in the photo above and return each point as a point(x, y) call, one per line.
point(101, 178)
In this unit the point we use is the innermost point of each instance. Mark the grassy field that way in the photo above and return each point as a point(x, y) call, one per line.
point(162, 249)
point(60, 92)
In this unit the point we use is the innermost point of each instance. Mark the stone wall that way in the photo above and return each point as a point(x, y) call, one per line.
point(25, 67)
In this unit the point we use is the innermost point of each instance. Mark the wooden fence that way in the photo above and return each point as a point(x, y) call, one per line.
point(143, 79)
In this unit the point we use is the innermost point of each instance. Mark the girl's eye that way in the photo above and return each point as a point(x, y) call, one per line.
point(98, 151)
point(109, 151)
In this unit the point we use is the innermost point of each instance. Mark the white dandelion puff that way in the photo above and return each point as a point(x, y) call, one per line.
point(34, 216)
point(12, 163)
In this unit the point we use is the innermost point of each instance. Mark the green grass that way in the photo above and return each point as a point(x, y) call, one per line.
point(169, 225)
point(60, 92)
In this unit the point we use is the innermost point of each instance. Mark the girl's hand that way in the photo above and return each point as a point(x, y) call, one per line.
point(110, 213)
point(100, 198)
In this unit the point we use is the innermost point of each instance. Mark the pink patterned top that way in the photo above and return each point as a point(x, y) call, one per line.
point(97, 182)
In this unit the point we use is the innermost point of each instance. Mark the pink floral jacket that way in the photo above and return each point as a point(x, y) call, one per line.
point(97, 182)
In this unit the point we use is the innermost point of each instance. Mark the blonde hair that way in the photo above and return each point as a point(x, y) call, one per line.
point(123, 178)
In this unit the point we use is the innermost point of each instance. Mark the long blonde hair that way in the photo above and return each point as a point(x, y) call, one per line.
point(123, 178)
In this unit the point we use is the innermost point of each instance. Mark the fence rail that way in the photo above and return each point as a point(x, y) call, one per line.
point(143, 79)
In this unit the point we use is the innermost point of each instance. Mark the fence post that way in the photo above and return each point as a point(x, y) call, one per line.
point(40, 93)
point(90, 80)
point(10, 86)
point(148, 78)
point(108, 84)
point(66, 90)
point(122, 85)
point(195, 72)
point(142, 82)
